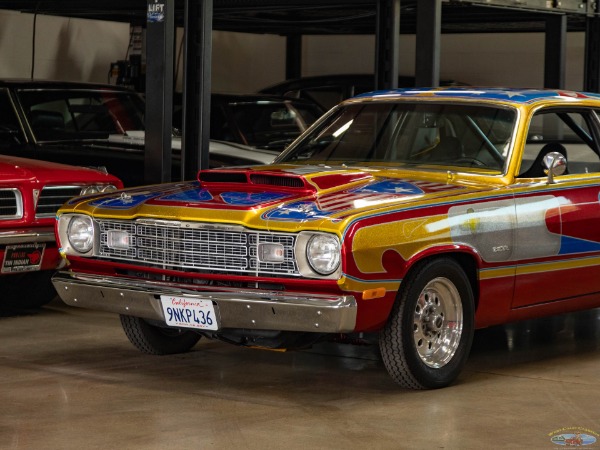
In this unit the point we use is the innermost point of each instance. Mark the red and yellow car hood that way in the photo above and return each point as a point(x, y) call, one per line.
point(284, 198)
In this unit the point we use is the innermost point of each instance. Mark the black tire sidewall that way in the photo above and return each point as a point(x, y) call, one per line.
point(156, 340)
point(429, 377)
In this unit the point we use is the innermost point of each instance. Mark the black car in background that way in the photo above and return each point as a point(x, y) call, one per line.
point(257, 120)
point(98, 125)
point(74, 123)
point(329, 90)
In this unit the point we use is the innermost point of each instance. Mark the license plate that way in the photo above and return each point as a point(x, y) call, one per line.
point(184, 312)
point(23, 258)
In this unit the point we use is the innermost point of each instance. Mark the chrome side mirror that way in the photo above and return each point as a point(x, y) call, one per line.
point(555, 164)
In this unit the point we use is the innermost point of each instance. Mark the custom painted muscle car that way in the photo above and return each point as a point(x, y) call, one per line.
point(420, 214)
point(30, 194)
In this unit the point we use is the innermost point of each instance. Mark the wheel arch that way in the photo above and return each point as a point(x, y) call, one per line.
point(468, 259)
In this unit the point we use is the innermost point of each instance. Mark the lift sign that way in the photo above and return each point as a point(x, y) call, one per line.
point(156, 12)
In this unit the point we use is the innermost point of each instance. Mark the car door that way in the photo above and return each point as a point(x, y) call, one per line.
point(558, 238)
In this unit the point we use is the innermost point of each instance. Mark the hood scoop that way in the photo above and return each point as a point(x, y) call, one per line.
point(310, 182)
point(221, 178)
point(277, 180)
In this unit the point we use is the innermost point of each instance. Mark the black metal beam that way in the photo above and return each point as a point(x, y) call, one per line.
point(555, 51)
point(591, 77)
point(566, 6)
point(293, 56)
point(387, 44)
point(160, 41)
point(427, 53)
point(197, 84)
point(306, 17)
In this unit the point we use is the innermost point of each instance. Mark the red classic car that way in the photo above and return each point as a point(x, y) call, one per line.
point(30, 194)
point(421, 214)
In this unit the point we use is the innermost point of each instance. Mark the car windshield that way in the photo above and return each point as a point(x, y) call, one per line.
point(409, 133)
point(61, 114)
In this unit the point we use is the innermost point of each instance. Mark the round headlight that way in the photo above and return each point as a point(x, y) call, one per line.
point(323, 253)
point(81, 233)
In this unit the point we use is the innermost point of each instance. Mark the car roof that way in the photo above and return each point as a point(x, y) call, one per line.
point(510, 95)
point(53, 84)
point(254, 98)
point(355, 79)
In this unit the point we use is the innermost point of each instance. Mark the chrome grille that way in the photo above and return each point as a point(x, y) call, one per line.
point(53, 197)
point(178, 245)
point(11, 204)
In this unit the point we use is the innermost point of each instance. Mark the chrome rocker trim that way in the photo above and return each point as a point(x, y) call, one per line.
point(235, 308)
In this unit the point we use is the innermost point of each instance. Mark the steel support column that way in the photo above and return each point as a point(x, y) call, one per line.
point(293, 56)
point(427, 53)
point(555, 51)
point(591, 77)
point(197, 84)
point(387, 44)
point(160, 39)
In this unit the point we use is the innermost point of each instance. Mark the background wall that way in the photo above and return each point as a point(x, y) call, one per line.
point(68, 49)
point(509, 59)
point(82, 50)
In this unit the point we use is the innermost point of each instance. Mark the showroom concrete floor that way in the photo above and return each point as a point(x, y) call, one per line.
point(69, 379)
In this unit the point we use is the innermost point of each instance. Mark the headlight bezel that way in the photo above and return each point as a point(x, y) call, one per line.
point(307, 265)
point(69, 244)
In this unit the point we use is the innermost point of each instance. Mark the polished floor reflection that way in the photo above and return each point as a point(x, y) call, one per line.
point(69, 379)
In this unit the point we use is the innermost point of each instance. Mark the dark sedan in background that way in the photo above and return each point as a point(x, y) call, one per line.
point(76, 123)
point(99, 125)
point(257, 120)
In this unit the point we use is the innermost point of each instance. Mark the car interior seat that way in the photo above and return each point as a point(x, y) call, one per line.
point(537, 168)
point(449, 148)
point(46, 124)
point(41, 119)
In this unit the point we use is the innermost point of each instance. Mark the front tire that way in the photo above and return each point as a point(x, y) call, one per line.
point(156, 340)
point(429, 333)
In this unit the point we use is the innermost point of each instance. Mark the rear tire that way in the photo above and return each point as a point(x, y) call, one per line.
point(429, 333)
point(156, 340)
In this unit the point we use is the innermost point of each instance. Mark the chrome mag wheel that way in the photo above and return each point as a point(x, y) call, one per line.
point(438, 322)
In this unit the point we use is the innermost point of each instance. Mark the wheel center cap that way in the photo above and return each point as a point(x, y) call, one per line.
point(433, 321)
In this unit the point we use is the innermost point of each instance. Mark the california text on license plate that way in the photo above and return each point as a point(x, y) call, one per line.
point(183, 312)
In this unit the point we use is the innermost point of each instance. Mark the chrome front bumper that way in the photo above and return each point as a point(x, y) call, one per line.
point(21, 236)
point(235, 308)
